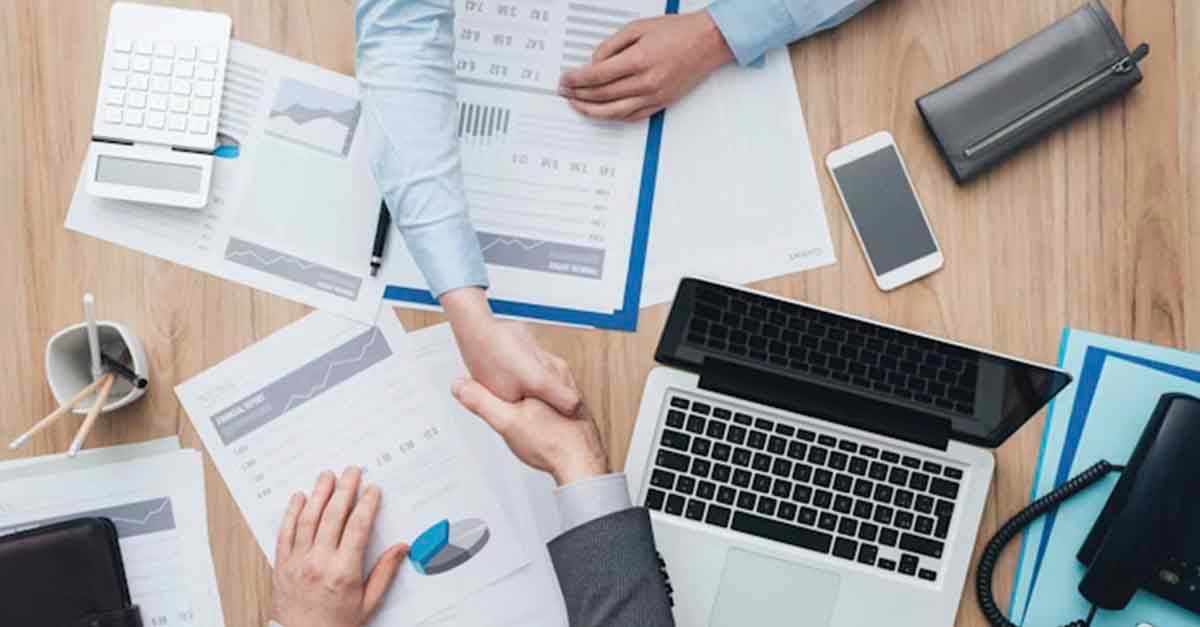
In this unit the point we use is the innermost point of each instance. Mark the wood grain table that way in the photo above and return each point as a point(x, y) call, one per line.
point(1097, 227)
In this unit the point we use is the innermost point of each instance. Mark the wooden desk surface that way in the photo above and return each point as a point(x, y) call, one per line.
point(1097, 227)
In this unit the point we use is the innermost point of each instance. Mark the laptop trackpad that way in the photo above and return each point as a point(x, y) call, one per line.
point(760, 590)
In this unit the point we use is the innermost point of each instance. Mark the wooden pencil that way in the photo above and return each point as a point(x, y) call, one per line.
point(56, 414)
point(93, 413)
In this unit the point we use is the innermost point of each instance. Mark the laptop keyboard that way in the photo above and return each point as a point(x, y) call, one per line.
point(834, 495)
point(824, 345)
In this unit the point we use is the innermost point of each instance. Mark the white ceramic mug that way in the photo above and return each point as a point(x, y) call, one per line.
point(69, 364)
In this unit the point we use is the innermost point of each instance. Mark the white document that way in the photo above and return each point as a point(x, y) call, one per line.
point(553, 195)
point(292, 210)
point(325, 393)
point(530, 597)
point(156, 502)
point(738, 198)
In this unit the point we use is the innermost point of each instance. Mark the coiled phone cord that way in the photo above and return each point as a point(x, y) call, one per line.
point(1010, 530)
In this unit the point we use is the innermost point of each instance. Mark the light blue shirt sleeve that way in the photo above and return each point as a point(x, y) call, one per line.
point(752, 27)
point(582, 502)
point(405, 66)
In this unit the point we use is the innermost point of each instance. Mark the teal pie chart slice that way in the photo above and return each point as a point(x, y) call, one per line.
point(446, 546)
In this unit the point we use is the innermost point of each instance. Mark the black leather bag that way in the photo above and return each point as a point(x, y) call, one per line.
point(982, 117)
point(68, 574)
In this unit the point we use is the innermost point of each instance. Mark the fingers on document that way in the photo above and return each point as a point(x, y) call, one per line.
point(382, 575)
point(624, 109)
point(604, 72)
point(358, 527)
point(333, 519)
point(287, 530)
point(626, 37)
point(310, 516)
point(627, 87)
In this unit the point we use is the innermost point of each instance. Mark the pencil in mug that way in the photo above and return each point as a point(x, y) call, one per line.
point(56, 414)
point(93, 413)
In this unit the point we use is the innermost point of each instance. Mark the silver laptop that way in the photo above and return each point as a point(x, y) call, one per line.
point(806, 467)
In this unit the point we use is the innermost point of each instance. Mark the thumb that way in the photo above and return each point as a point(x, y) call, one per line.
point(381, 577)
point(480, 401)
point(557, 393)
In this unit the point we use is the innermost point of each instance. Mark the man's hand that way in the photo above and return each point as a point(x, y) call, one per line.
point(504, 357)
point(647, 66)
point(567, 448)
point(319, 557)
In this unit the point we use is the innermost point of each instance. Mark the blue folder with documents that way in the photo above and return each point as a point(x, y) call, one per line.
point(1100, 416)
point(564, 250)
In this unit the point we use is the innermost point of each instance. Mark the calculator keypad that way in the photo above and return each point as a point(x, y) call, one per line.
point(162, 85)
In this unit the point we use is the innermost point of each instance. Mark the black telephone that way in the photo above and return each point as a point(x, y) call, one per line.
point(1148, 534)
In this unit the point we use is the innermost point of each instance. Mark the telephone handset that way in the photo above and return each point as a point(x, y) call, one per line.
point(1148, 534)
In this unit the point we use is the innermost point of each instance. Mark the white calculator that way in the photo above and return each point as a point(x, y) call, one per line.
point(156, 114)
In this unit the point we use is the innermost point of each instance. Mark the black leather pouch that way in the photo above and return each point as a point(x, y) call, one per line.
point(68, 574)
point(982, 117)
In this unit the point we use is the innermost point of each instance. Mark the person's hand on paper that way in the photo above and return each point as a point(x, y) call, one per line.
point(646, 67)
point(320, 554)
point(569, 448)
point(504, 356)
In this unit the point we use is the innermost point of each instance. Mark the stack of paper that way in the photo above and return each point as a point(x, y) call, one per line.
point(1100, 416)
point(154, 495)
point(325, 393)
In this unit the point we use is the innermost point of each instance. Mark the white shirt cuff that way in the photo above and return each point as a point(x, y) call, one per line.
point(582, 502)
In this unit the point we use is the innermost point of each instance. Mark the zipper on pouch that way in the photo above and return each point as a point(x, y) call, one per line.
point(1124, 66)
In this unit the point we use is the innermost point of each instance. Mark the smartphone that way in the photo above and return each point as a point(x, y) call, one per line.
point(884, 209)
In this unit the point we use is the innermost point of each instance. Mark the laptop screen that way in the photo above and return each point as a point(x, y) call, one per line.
point(984, 396)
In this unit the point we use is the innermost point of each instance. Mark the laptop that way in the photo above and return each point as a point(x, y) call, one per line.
point(807, 467)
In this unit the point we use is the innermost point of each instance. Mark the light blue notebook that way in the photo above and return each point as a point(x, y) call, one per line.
point(1099, 416)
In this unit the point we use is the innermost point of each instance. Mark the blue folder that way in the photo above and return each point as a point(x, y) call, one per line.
point(1100, 415)
point(623, 319)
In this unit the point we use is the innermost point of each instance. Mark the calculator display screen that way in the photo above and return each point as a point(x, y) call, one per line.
point(172, 177)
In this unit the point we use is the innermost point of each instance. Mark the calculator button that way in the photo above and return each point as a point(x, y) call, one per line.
point(208, 53)
point(118, 79)
point(162, 67)
point(160, 84)
point(115, 96)
point(136, 99)
point(141, 64)
point(158, 102)
point(204, 90)
point(123, 45)
point(181, 87)
point(164, 49)
point(198, 125)
point(177, 122)
point(156, 119)
point(133, 117)
point(201, 106)
point(144, 47)
point(112, 115)
point(179, 104)
point(120, 62)
point(139, 82)
point(185, 69)
point(187, 51)
point(206, 71)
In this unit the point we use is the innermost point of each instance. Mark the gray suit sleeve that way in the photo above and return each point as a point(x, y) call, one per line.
point(611, 574)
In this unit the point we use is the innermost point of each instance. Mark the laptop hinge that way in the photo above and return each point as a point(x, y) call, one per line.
point(818, 401)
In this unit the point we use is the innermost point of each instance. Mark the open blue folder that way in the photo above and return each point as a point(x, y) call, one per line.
point(1100, 416)
point(623, 319)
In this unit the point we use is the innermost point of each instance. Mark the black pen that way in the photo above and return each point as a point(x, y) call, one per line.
point(381, 235)
point(123, 371)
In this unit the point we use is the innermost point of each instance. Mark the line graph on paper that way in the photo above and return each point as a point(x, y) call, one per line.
point(130, 519)
point(318, 118)
point(284, 266)
point(301, 385)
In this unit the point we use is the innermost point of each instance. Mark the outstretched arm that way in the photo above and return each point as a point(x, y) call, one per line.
point(406, 70)
point(605, 559)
